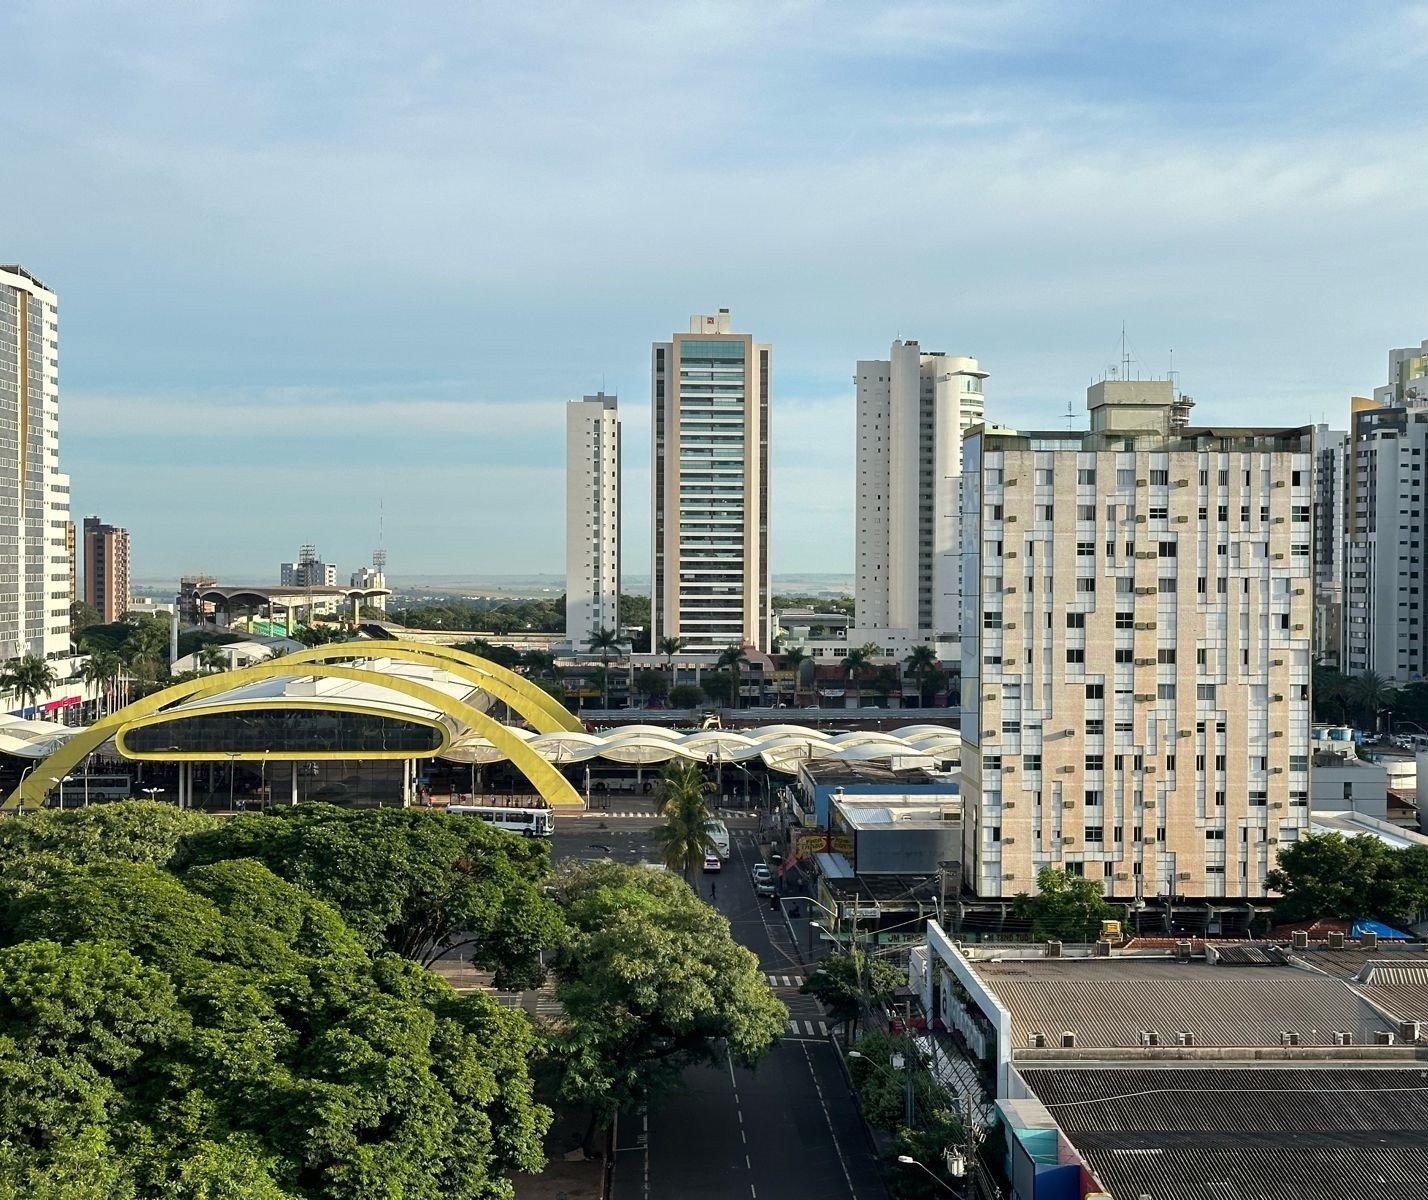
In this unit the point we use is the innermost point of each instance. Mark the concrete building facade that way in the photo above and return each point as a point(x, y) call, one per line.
point(1136, 650)
point(35, 563)
point(1331, 448)
point(592, 518)
point(912, 409)
point(106, 569)
point(308, 571)
point(1384, 576)
point(710, 574)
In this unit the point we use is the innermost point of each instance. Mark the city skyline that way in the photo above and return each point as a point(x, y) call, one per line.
point(1204, 180)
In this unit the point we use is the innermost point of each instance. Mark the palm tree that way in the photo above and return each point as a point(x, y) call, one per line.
point(687, 833)
point(212, 658)
point(28, 678)
point(856, 665)
point(1372, 693)
point(602, 641)
point(1330, 687)
point(102, 669)
point(733, 657)
point(919, 663)
point(793, 659)
point(669, 647)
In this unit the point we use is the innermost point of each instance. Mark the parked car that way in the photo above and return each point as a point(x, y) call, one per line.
point(712, 864)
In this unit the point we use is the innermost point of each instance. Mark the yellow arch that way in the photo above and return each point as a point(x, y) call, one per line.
point(549, 782)
point(544, 712)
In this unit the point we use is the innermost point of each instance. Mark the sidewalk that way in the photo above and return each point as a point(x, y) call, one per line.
point(564, 1178)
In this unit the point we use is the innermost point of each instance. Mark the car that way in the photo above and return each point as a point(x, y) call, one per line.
point(712, 864)
point(761, 871)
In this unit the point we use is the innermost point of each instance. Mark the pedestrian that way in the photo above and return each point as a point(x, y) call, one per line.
point(713, 891)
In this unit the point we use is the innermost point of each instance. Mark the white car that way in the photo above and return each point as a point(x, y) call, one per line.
point(712, 864)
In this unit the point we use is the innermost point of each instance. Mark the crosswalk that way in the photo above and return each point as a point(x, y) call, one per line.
point(785, 981)
point(813, 1029)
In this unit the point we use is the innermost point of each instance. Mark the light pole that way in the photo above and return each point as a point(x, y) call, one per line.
point(900, 1062)
point(908, 1161)
point(153, 793)
point(232, 756)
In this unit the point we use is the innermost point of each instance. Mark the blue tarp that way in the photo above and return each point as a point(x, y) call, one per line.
point(1384, 931)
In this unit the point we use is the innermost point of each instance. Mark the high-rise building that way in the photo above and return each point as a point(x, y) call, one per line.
point(913, 408)
point(592, 518)
point(308, 571)
point(34, 501)
point(106, 569)
point(374, 576)
point(1383, 571)
point(71, 548)
point(710, 578)
point(1136, 650)
point(1330, 537)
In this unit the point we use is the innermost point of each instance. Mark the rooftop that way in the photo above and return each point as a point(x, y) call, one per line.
point(1245, 1133)
point(835, 774)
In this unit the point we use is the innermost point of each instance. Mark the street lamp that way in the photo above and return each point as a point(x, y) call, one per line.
point(908, 1161)
point(233, 756)
point(153, 793)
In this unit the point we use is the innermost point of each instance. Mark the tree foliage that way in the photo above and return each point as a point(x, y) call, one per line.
point(845, 983)
point(220, 1033)
point(686, 695)
point(652, 982)
point(1066, 907)
point(686, 834)
point(1330, 876)
point(411, 882)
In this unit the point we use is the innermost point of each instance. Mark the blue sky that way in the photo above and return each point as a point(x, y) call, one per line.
point(315, 259)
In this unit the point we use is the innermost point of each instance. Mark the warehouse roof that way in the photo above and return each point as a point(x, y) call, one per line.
point(1245, 1133)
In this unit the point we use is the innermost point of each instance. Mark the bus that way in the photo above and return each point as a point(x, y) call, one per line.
point(528, 822)
point(81, 789)
point(719, 835)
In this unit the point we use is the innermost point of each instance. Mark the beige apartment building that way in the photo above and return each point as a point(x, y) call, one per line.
point(1136, 639)
point(106, 569)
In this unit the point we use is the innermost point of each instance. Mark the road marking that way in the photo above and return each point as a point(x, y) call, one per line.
point(788, 981)
point(828, 1120)
point(812, 1029)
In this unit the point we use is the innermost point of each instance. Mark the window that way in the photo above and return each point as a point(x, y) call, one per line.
point(1222, 513)
point(1096, 727)
point(1170, 763)
point(1086, 549)
point(1219, 799)
point(1205, 691)
point(1199, 762)
point(994, 512)
point(1075, 620)
point(1214, 835)
point(1160, 479)
point(1125, 620)
point(1124, 586)
point(1086, 476)
point(1299, 513)
point(1200, 661)
point(1045, 512)
point(991, 762)
point(992, 620)
point(1011, 726)
point(1125, 477)
point(1219, 762)
point(1165, 691)
point(1095, 833)
point(1043, 477)
point(1086, 585)
point(1085, 512)
point(1224, 479)
point(1167, 549)
point(1031, 762)
point(1258, 799)
point(1125, 654)
point(1076, 654)
point(1166, 585)
point(1159, 513)
point(1297, 477)
point(1095, 762)
point(1165, 655)
point(1095, 691)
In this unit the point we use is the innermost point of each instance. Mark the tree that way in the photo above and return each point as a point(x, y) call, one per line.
point(212, 659)
point(601, 642)
point(28, 678)
point(687, 833)
point(102, 670)
point(883, 681)
point(920, 663)
point(651, 684)
point(635, 1020)
point(669, 647)
point(855, 664)
point(414, 883)
point(1331, 694)
point(1330, 876)
point(1066, 907)
point(793, 659)
point(718, 687)
point(732, 658)
point(134, 831)
point(224, 1035)
point(685, 695)
point(633, 614)
point(1371, 693)
point(847, 983)
point(82, 615)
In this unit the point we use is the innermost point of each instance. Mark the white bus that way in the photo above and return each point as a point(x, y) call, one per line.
point(528, 822)
point(80, 789)
point(719, 834)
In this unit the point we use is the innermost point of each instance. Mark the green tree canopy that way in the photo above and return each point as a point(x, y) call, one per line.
point(1327, 875)
point(412, 882)
point(843, 983)
point(651, 684)
point(652, 982)
point(1066, 907)
point(686, 695)
point(686, 834)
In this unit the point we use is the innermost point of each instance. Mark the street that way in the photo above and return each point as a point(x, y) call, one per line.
point(789, 1129)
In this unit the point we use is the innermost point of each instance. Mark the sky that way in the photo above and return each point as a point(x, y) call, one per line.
point(330, 267)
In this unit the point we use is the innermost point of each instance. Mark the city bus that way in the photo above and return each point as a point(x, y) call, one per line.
point(81, 789)
point(719, 834)
point(528, 822)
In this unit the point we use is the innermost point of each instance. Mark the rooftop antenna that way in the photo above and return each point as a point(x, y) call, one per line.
point(1070, 417)
point(379, 555)
point(1125, 353)
point(1174, 379)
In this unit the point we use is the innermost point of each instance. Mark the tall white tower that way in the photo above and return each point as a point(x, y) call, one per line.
point(913, 408)
point(710, 578)
point(35, 563)
point(592, 517)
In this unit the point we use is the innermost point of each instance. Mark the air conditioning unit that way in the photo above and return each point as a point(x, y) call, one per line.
point(1182, 483)
point(1009, 769)
point(1065, 770)
point(1279, 483)
point(1298, 627)
point(1010, 517)
point(1053, 949)
point(1141, 519)
point(1150, 803)
point(1068, 1040)
point(1185, 733)
point(1145, 554)
point(1010, 875)
point(1276, 770)
point(989, 695)
point(1145, 624)
point(1008, 841)
point(1145, 662)
point(1276, 662)
point(1142, 482)
point(1011, 591)
point(1278, 557)
point(1183, 876)
point(1121, 876)
point(1277, 521)
point(1180, 520)
point(1068, 839)
point(1008, 803)
point(1143, 697)
point(1185, 1038)
point(1149, 1037)
point(1009, 625)
point(1150, 770)
point(1299, 591)
point(1145, 591)
point(1277, 696)
point(1336, 939)
point(1299, 939)
point(1276, 804)
point(1009, 554)
point(990, 733)
point(1276, 733)
point(1038, 1041)
point(1383, 1037)
point(1288, 1039)
point(1068, 804)
point(1012, 482)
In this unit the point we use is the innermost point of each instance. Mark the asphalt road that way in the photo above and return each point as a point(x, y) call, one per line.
point(788, 1130)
